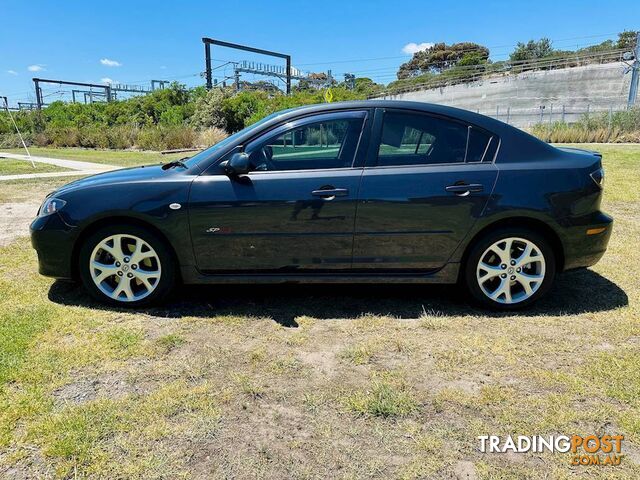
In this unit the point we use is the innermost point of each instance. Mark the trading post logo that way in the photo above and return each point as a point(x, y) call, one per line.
point(585, 450)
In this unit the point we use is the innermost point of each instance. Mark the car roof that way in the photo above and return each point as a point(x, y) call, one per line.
point(458, 113)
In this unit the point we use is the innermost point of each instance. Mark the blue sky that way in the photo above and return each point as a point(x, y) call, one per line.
point(136, 41)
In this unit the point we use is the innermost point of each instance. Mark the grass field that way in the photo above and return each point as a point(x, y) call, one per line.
point(320, 382)
point(125, 158)
point(9, 166)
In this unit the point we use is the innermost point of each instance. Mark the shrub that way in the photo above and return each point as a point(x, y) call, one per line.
point(178, 137)
point(63, 136)
point(150, 139)
point(93, 137)
point(121, 137)
point(621, 126)
point(12, 140)
point(211, 136)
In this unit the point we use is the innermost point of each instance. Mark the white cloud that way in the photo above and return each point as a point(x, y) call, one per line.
point(411, 48)
point(35, 68)
point(106, 80)
point(110, 63)
point(12, 72)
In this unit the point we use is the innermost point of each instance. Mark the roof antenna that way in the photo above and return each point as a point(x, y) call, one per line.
point(6, 106)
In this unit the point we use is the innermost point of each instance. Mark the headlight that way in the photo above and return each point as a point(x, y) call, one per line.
point(51, 205)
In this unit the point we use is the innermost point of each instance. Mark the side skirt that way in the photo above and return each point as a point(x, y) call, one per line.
point(447, 274)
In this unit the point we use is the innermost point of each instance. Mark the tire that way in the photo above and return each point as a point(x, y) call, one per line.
point(149, 273)
point(503, 280)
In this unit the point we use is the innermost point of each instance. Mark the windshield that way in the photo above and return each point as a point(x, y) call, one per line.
point(205, 154)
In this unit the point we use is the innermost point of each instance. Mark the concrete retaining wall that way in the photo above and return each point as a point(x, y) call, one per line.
point(566, 94)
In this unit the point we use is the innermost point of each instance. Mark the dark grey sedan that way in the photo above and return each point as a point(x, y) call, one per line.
point(373, 191)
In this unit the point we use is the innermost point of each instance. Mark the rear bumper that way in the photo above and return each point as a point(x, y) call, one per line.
point(53, 241)
point(582, 249)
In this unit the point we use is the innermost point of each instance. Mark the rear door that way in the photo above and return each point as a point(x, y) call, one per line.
point(426, 182)
point(295, 211)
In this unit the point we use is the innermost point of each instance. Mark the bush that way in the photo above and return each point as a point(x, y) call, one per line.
point(122, 137)
point(179, 137)
point(150, 139)
point(12, 140)
point(211, 136)
point(63, 136)
point(167, 138)
point(623, 126)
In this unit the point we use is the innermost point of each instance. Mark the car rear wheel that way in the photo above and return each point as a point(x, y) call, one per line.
point(127, 266)
point(510, 268)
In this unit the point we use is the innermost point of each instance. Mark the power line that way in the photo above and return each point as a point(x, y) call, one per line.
point(473, 72)
point(462, 50)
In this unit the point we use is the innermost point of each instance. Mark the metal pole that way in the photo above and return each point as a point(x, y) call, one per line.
point(288, 59)
point(207, 60)
point(38, 93)
point(563, 112)
point(610, 115)
point(6, 104)
point(236, 79)
point(635, 74)
point(550, 114)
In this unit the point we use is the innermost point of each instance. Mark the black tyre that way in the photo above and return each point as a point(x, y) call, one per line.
point(126, 266)
point(510, 268)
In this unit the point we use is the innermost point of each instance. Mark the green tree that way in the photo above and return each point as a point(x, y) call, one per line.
point(627, 39)
point(441, 57)
point(532, 50)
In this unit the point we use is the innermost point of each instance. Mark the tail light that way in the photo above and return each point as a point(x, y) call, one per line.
point(598, 177)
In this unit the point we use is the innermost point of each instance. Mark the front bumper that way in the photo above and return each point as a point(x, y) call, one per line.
point(582, 249)
point(53, 241)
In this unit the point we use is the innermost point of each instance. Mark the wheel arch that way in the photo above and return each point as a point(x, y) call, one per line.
point(522, 222)
point(111, 220)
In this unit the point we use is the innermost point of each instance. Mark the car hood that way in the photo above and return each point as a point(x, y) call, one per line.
point(124, 175)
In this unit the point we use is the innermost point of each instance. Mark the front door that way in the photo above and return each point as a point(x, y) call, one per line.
point(294, 211)
point(424, 187)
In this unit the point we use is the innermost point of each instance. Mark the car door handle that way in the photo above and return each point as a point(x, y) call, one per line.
point(464, 188)
point(330, 192)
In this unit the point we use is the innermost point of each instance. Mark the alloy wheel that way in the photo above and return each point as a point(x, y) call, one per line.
point(125, 268)
point(511, 270)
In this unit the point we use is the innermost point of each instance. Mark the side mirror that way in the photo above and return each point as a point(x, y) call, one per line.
point(237, 165)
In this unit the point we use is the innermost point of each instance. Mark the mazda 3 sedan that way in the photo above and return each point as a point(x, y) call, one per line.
point(372, 191)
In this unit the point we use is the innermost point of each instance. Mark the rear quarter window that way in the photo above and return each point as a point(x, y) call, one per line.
point(482, 146)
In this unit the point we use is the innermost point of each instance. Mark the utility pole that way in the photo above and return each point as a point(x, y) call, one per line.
point(635, 74)
point(38, 93)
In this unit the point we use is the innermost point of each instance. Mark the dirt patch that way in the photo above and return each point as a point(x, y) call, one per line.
point(15, 219)
point(111, 385)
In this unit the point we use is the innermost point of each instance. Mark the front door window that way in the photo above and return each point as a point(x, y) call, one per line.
point(312, 146)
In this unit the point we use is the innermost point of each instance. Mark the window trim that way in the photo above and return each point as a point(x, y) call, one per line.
point(373, 163)
point(362, 114)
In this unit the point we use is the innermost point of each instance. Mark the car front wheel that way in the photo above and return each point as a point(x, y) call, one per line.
point(127, 266)
point(510, 268)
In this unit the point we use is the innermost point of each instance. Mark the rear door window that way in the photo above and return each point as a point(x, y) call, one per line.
point(420, 139)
